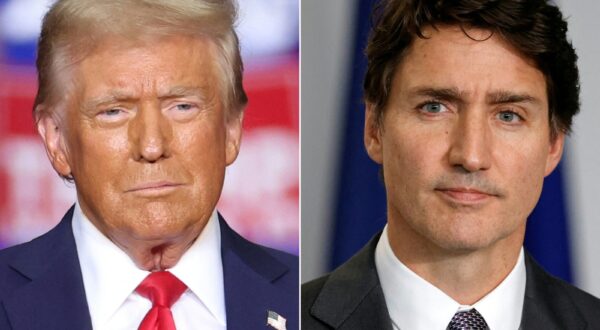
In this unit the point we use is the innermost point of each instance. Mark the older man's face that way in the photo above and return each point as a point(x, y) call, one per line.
point(146, 137)
point(464, 141)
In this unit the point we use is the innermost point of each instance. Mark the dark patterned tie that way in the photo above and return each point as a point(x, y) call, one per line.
point(468, 320)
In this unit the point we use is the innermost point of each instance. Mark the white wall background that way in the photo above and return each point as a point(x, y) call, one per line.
point(326, 42)
point(327, 28)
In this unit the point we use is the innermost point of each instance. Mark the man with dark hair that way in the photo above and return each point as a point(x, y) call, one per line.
point(467, 107)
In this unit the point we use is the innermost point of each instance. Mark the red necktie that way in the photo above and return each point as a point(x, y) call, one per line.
point(163, 289)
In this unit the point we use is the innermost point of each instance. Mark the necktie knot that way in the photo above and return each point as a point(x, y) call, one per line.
point(162, 288)
point(468, 320)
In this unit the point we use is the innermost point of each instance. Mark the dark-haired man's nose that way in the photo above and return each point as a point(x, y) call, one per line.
point(470, 146)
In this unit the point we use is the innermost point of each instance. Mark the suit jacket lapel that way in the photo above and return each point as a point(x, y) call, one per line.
point(546, 305)
point(352, 297)
point(248, 272)
point(52, 296)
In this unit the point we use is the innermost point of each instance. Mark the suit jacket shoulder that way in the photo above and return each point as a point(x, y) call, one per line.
point(349, 298)
point(41, 286)
point(551, 303)
point(257, 280)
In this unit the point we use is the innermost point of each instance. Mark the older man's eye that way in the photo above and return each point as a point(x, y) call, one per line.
point(184, 106)
point(112, 115)
point(509, 117)
point(182, 111)
point(112, 112)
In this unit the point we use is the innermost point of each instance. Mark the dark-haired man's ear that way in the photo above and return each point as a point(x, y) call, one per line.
point(372, 136)
point(555, 152)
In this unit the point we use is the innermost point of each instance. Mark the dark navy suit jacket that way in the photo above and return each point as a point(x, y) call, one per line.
point(41, 285)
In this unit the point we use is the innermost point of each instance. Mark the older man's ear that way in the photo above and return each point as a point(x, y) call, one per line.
point(52, 133)
point(233, 129)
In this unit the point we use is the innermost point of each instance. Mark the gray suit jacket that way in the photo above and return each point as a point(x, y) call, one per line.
point(351, 298)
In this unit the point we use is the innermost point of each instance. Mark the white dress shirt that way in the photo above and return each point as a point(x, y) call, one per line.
point(415, 304)
point(110, 278)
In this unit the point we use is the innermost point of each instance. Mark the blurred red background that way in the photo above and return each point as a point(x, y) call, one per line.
point(260, 198)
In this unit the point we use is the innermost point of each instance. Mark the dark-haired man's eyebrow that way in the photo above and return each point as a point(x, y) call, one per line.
point(443, 94)
point(504, 97)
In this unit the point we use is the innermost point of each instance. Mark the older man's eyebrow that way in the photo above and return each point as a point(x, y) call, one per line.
point(111, 97)
point(182, 91)
point(114, 96)
point(505, 97)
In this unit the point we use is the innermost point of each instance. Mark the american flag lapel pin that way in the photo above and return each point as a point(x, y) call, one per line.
point(275, 320)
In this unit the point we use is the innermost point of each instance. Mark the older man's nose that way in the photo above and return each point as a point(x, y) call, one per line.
point(150, 135)
point(470, 145)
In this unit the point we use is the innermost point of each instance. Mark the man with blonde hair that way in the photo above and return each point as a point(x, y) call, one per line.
point(140, 105)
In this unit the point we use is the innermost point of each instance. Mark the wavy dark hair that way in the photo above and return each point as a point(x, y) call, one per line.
point(535, 28)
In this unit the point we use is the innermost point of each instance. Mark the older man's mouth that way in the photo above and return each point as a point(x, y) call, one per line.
point(154, 188)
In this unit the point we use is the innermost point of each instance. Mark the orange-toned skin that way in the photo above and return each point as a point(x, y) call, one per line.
point(146, 137)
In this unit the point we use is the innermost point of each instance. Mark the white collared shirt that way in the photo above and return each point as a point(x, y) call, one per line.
point(415, 304)
point(110, 278)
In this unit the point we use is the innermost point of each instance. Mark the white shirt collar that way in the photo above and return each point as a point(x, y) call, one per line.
point(110, 276)
point(414, 303)
point(201, 269)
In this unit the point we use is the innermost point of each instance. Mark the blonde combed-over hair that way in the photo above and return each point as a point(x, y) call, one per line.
point(72, 28)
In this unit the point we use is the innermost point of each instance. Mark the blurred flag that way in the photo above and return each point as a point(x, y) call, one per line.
point(260, 197)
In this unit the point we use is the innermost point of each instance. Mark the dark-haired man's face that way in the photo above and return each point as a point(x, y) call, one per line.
point(464, 142)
